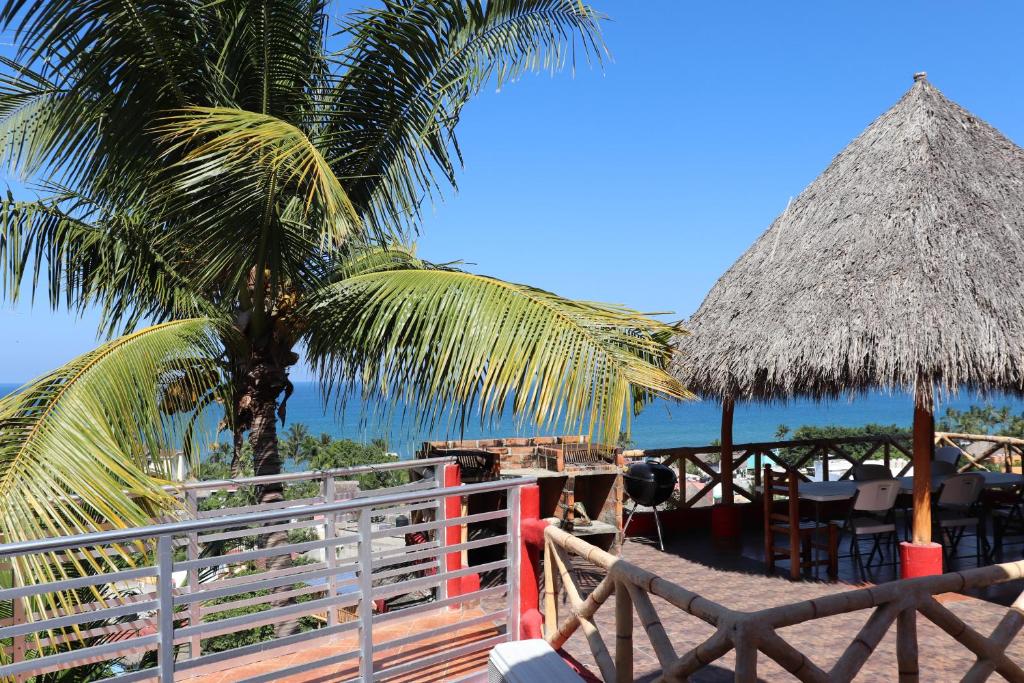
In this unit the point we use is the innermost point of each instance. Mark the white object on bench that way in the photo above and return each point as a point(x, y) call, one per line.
point(528, 661)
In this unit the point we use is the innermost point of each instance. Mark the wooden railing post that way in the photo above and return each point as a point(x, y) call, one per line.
point(725, 460)
point(623, 634)
point(906, 645)
point(550, 593)
point(746, 659)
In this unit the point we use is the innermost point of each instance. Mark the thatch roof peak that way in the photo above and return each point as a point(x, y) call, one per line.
point(904, 258)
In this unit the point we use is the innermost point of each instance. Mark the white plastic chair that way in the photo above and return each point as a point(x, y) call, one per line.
point(950, 454)
point(872, 514)
point(956, 511)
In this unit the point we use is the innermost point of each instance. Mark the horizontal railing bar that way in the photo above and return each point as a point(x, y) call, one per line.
point(238, 589)
point(399, 571)
point(454, 653)
point(245, 509)
point(437, 604)
point(73, 619)
point(284, 641)
point(105, 630)
point(51, 611)
point(439, 524)
point(275, 676)
point(245, 556)
point(252, 579)
point(149, 674)
point(267, 616)
point(63, 659)
point(262, 599)
point(771, 445)
point(258, 531)
point(409, 509)
point(392, 589)
point(187, 526)
point(78, 582)
point(398, 553)
point(316, 474)
point(440, 550)
point(429, 633)
point(421, 485)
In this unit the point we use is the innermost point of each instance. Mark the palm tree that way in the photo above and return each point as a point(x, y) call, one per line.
point(245, 178)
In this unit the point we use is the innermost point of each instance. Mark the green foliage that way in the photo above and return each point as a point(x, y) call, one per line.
point(326, 453)
point(983, 420)
point(211, 167)
point(249, 636)
point(855, 451)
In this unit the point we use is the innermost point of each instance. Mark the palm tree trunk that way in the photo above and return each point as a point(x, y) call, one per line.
point(261, 385)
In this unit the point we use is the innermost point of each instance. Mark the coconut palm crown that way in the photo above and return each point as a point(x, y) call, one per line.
point(243, 178)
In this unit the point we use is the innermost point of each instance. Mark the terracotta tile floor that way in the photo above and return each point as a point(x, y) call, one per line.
point(318, 649)
point(733, 575)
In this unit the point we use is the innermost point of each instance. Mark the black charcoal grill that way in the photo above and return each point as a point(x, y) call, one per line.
point(649, 484)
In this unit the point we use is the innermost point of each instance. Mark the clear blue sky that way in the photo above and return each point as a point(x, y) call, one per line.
point(640, 184)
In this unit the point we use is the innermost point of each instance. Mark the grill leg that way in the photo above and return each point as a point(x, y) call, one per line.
point(657, 523)
point(629, 519)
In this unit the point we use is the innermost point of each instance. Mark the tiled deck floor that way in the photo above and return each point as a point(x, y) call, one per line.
point(315, 650)
point(733, 575)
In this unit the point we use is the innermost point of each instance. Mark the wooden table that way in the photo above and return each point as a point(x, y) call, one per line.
point(829, 491)
point(819, 492)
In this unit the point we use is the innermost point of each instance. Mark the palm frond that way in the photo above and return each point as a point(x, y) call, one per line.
point(409, 69)
point(262, 151)
point(90, 257)
point(83, 448)
point(441, 341)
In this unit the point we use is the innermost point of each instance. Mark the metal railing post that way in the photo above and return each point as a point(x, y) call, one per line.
point(440, 534)
point(165, 607)
point(192, 552)
point(366, 595)
point(514, 561)
point(18, 646)
point(330, 550)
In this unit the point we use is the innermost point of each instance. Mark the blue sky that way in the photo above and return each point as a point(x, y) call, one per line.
point(641, 182)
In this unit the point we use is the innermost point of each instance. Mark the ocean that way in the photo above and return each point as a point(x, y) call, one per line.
point(660, 425)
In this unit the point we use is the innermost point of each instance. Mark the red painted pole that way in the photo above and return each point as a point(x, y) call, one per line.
point(531, 546)
point(453, 534)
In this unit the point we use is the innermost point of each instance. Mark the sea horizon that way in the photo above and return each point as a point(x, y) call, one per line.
point(661, 425)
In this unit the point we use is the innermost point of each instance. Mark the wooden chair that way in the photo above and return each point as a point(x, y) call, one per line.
point(802, 534)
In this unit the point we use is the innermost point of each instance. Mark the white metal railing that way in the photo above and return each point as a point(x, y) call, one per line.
point(176, 588)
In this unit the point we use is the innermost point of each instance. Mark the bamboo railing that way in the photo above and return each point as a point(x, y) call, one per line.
point(751, 633)
point(800, 455)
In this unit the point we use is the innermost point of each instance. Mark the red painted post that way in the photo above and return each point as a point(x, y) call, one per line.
point(453, 534)
point(531, 547)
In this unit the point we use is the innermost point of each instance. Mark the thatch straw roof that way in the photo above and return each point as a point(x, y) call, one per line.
point(905, 258)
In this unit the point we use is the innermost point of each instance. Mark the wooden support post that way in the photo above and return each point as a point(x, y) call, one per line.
point(550, 593)
point(906, 645)
point(924, 439)
point(921, 557)
point(725, 464)
point(623, 634)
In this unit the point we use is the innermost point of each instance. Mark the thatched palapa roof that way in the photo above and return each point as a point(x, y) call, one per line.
point(904, 259)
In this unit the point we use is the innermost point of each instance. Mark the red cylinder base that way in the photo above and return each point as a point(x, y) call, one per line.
point(725, 521)
point(924, 559)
